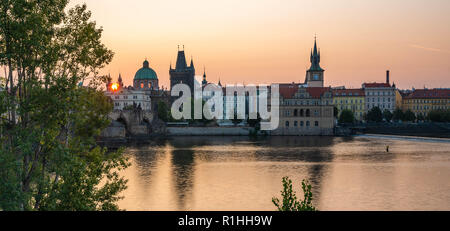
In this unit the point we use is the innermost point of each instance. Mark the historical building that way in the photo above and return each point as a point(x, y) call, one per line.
point(128, 97)
point(381, 95)
point(314, 75)
point(305, 110)
point(145, 78)
point(422, 101)
point(350, 99)
point(182, 73)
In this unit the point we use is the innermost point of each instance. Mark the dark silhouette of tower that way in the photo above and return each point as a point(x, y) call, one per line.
point(182, 73)
point(314, 76)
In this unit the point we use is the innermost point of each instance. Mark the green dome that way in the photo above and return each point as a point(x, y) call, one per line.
point(145, 72)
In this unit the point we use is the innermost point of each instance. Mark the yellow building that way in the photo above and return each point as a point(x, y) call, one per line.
point(422, 101)
point(351, 99)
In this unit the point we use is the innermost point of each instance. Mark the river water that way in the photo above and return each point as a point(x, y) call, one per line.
point(242, 173)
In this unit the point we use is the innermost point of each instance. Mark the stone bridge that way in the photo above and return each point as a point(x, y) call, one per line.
point(126, 123)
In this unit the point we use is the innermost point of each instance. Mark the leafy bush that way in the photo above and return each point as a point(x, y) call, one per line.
point(289, 199)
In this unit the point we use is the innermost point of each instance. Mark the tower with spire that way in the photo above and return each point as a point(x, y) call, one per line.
point(204, 82)
point(314, 75)
point(182, 72)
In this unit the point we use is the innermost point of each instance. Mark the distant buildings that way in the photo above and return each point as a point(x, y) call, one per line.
point(381, 95)
point(422, 101)
point(350, 99)
point(307, 108)
point(143, 95)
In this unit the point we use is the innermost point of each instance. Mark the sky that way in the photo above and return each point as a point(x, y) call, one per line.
point(269, 41)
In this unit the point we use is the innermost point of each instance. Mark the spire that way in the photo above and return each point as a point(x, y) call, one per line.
point(181, 61)
point(219, 82)
point(315, 58)
point(192, 62)
point(120, 78)
point(204, 82)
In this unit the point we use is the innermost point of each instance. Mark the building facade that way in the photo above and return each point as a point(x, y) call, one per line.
point(182, 73)
point(305, 110)
point(350, 99)
point(381, 95)
point(124, 98)
point(422, 101)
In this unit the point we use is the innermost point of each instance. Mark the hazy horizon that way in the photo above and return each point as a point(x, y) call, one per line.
point(265, 41)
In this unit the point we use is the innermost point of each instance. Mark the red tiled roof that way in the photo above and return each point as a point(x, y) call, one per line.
point(317, 92)
point(348, 92)
point(288, 90)
point(372, 85)
point(429, 94)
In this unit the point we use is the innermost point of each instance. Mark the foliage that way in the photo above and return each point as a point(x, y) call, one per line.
point(439, 116)
point(398, 114)
point(163, 111)
point(49, 159)
point(409, 116)
point(289, 199)
point(346, 116)
point(387, 115)
point(375, 115)
point(335, 112)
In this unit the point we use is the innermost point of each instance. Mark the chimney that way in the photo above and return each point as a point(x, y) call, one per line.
point(387, 76)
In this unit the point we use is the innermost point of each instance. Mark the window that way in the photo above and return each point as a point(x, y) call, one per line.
point(287, 123)
point(295, 112)
point(308, 113)
point(295, 123)
point(307, 123)
point(301, 123)
point(316, 123)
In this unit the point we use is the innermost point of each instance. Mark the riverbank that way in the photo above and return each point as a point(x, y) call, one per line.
point(437, 130)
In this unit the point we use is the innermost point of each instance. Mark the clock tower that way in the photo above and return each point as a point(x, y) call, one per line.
point(314, 76)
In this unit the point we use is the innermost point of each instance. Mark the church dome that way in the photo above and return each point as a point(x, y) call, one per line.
point(145, 73)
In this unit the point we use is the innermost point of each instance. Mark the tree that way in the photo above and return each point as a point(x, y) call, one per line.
point(346, 116)
point(49, 159)
point(163, 111)
point(409, 116)
point(387, 115)
point(289, 199)
point(439, 115)
point(375, 115)
point(335, 112)
point(398, 114)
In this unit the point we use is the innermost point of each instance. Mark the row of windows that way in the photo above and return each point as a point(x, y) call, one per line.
point(301, 113)
point(381, 93)
point(302, 123)
point(126, 97)
point(428, 107)
point(355, 107)
point(427, 101)
point(381, 106)
point(346, 101)
point(380, 99)
point(307, 102)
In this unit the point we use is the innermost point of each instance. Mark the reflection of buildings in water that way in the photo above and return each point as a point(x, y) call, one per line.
point(183, 172)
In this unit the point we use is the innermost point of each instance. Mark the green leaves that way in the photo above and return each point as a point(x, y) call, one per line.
point(49, 159)
point(289, 199)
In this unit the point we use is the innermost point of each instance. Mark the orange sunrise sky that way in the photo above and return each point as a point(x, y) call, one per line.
point(266, 41)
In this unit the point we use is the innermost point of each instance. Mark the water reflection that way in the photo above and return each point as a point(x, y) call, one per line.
point(242, 173)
